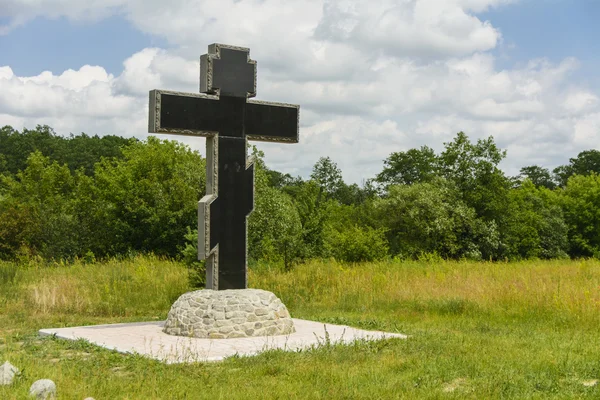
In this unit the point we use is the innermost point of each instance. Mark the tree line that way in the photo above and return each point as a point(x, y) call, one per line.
point(90, 197)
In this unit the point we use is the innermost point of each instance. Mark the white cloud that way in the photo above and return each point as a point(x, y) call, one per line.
point(372, 77)
point(586, 133)
point(423, 28)
point(12, 120)
point(70, 79)
point(580, 101)
point(86, 93)
point(152, 68)
point(6, 73)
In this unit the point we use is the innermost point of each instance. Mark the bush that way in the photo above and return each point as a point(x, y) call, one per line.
point(431, 217)
point(356, 243)
point(581, 205)
point(535, 226)
point(37, 210)
point(274, 227)
point(150, 197)
point(189, 256)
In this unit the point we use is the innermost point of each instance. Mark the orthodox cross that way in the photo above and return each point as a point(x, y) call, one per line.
point(223, 114)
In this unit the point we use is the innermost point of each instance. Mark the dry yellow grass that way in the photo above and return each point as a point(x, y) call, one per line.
point(115, 288)
point(531, 286)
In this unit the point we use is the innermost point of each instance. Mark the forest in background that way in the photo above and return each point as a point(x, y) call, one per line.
point(91, 197)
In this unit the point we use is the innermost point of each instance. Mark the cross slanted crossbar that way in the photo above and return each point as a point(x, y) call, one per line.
point(224, 115)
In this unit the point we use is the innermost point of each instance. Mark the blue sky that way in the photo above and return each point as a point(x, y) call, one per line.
point(441, 69)
point(59, 44)
point(554, 29)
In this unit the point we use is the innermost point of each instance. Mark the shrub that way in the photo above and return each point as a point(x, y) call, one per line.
point(535, 225)
point(189, 256)
point(431, 217)
point(581, 204)
point(356, 243)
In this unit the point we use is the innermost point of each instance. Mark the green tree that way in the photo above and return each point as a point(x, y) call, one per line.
point(3, 165)
point(538, 176)
point(81, 151)
point(562, 174)
point(274, 227)
point(353, 194)
point(473, 168)
point(152, 195)
point(432, 217)
point(356, 243)
point(279, 180)
point(407, 168)
point(313, 212)
point(16, 146)
point(535, 226)
point(37, 210)
point(585, 163)
point(581, 205)
point(328, 176)
point(349, 234)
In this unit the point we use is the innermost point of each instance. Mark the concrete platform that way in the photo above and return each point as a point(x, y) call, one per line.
point(147, 338)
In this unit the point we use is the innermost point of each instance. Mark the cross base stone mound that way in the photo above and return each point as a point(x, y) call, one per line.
point(224, 314)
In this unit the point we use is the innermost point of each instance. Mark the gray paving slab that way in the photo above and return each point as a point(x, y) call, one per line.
point(147, 338)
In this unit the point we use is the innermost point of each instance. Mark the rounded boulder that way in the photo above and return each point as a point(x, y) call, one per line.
point(43, 389)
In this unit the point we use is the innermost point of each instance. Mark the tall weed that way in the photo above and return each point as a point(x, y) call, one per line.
point(139, 286)
point(530, 289)
point(8, 273)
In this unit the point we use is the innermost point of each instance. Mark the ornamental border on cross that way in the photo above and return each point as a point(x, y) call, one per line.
point(228, 78)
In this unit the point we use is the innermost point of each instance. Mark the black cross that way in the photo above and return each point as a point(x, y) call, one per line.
point(227, 119)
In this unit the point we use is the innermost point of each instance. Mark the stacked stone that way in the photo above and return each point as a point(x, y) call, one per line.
point(226, 314)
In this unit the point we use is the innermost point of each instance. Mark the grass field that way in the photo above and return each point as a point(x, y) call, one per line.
point(477, 330)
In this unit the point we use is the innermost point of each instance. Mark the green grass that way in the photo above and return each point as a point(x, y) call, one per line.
point(477, 330)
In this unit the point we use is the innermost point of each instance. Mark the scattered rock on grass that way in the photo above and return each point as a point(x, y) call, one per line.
point(7, 373)
point(44, 389)
point(590, 383)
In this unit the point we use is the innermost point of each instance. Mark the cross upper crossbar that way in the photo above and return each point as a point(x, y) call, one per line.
point(198, 114)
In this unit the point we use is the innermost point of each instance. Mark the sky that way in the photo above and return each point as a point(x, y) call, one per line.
point(371, 76)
